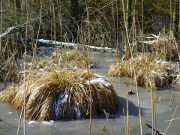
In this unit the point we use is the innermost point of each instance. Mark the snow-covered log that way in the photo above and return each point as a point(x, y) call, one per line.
point(11, 29)
point(7, 31)
point(72, 45)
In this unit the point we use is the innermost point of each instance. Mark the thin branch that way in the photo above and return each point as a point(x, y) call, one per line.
point(171, 120)
point(108, 122)
point(100, 12)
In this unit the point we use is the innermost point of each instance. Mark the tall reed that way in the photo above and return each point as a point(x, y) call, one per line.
point(153, 112)
point(137, 92)
point(128, 124)
point(25, 45)
point(90, 122)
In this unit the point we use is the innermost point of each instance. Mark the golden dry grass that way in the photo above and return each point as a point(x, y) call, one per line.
point(150, 72)
point(165, 47)
point(74, 58)
point(63, 95)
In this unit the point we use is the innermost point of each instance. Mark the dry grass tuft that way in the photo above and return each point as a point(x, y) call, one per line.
point(163, 46)
point(63, 95)
point(150, 72)
point(74, 58)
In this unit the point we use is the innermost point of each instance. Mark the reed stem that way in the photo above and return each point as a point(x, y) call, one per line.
point(108, 122)
point(90, 122)
point(137, 92)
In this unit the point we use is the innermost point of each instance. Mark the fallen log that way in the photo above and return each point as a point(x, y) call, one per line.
point(73, 45)
point(11, 29)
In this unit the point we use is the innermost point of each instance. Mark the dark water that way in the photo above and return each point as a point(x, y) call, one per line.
point(9, 116)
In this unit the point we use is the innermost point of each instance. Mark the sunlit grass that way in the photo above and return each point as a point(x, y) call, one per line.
point(151, 73)
point(63, 94)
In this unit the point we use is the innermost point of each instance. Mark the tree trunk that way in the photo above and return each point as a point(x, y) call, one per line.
point(18, 4)
point(75, 15)
point(129, 24)
point(129, 14)
point(176, 21)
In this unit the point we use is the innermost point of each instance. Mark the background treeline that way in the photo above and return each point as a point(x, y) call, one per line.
point(69, 20)
point(65, 18)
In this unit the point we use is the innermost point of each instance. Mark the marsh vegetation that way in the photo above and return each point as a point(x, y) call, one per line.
point(47, 47)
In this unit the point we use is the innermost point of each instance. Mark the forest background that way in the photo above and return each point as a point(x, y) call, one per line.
point(77, 20)
point(64, 18)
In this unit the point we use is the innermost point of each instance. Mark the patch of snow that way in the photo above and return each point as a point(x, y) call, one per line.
point(161, 62)
point(51, 122)
point(148, 42)
point(22, 72)
point(77, 103)
point(101, 81)
point(32, 122)
point(172, 69)
point(161, 78)
point(28, 63)
point(52, 42)
point(75, 45)
point(71, 89)
point(77, 111)
point(41, 69)
point(61, 100)
point(98, 48)
point(149, 37)
point(9, 112)
point(98, 75)
point(64, 99)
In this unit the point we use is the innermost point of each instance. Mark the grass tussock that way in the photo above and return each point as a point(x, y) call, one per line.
point(151, 73)
point(63, 95)
point(74, 58)
point(165, 47)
